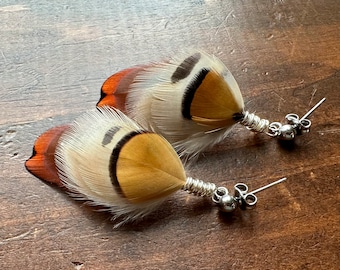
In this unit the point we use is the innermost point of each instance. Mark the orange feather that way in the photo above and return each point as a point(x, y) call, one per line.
point(42, 164)
point(115, 89)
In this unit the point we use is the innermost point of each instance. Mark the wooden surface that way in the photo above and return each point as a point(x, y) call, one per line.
point(54, 56)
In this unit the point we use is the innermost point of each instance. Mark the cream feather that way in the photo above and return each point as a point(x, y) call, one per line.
point(83, 160)
point(155, 102)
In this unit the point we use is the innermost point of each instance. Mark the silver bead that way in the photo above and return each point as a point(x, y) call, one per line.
point(287, 132)
point(225, 202)
point(228, 204)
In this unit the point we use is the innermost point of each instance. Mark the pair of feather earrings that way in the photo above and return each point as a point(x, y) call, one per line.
point(188, 103)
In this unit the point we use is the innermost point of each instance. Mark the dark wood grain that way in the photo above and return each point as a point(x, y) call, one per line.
point(284, 55)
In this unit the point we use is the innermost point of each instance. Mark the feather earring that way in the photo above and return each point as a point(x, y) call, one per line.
point(107, 159)
point(192, 100)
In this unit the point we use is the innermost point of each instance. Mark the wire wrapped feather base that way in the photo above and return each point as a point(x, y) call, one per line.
point(254, 123)
point(199, 187)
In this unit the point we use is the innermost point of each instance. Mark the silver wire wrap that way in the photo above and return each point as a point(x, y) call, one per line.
point(294, 126)
point(199, 187)
point(254, 123)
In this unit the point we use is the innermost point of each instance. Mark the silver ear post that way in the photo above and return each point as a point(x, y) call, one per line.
point(294, 126)
point(313, 109)
point(241, 198)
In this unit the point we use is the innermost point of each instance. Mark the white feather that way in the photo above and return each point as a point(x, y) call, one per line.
point(83, 162)
point(156, 104)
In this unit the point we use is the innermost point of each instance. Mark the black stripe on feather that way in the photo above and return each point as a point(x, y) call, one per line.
point(191, 90)
point(185, 68)
point(114, 159)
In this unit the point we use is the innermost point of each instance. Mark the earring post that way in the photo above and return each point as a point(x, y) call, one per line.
point(268, 186)
point(313, 109)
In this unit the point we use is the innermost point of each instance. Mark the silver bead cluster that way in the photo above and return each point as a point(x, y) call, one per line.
point(294, 126)
point(241, 198)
